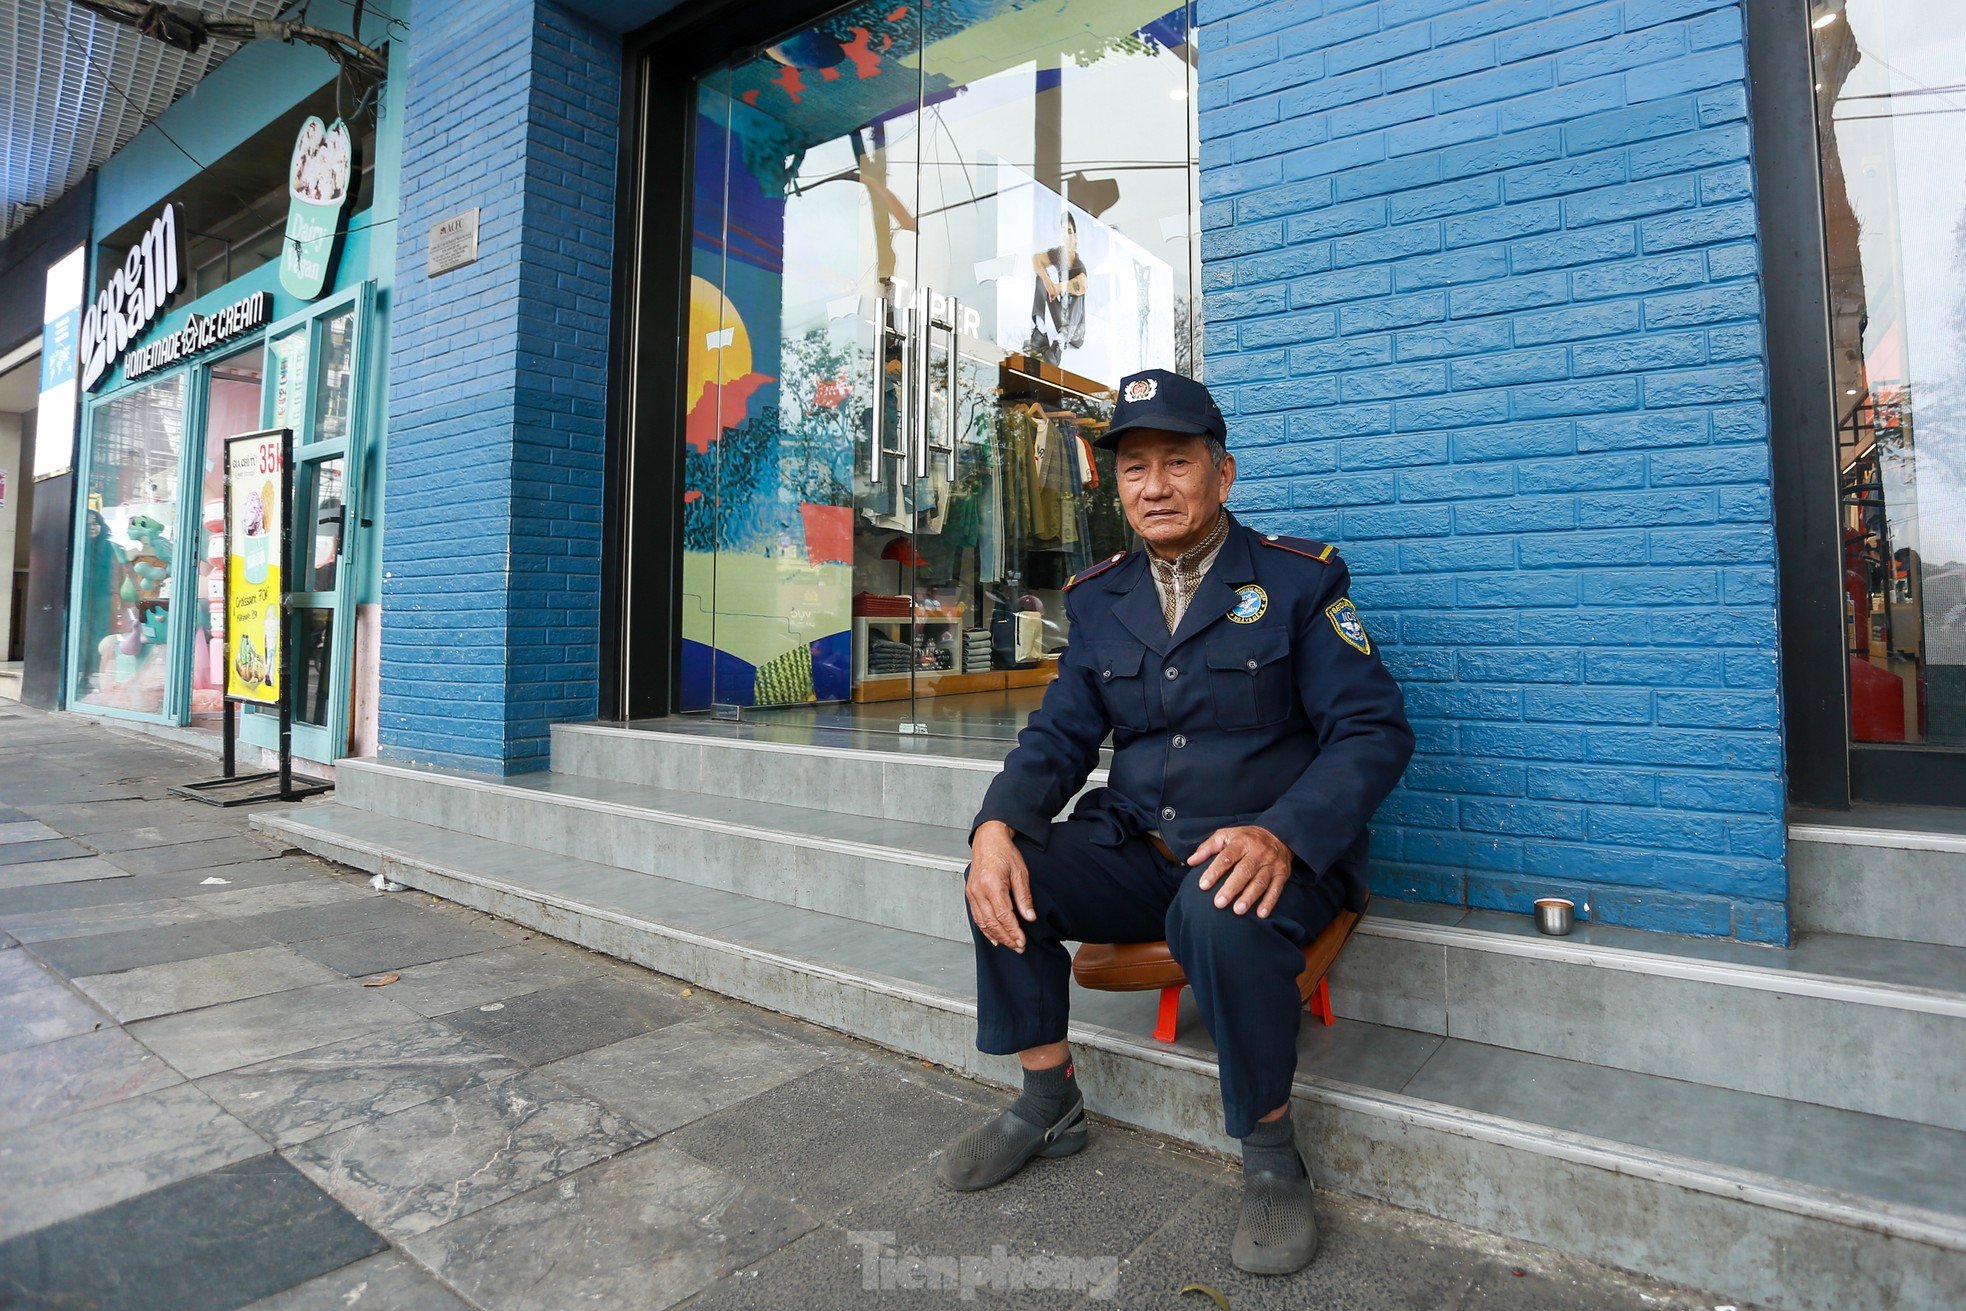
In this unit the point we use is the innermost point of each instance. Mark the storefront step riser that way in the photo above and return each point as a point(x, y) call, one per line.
point(919, 790)
point(923, 895)
point(1754, 1236)
point(1702, 1021)
point(1844, 1044)
point(1876, 890)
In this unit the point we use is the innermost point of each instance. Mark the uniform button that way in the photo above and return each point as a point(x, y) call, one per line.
point(1252, 664)
point(1167, 812)
point(1172, 673)
point(1180, 739)
point(1105, 673)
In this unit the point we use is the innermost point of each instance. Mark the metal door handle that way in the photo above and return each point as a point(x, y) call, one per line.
point(874, 451)
point(924, 335)
point(955, 343)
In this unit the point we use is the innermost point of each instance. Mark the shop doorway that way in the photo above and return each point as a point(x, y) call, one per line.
point(1888, 76)
point(925, 244)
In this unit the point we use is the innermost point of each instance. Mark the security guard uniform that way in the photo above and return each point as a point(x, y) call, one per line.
point(1269, 706)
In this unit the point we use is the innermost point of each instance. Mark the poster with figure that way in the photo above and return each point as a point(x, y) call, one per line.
point(255, 531)
point(1073, 291)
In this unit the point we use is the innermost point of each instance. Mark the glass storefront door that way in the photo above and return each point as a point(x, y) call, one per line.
point(927, 244)
point(1891, 107)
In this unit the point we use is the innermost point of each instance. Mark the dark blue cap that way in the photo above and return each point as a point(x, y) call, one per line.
point(1165, 402)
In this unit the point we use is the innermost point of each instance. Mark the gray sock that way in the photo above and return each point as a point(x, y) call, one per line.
point(1273, 1147)
point(1047, 1094)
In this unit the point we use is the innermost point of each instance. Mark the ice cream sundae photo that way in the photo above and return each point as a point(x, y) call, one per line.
point(321, 163)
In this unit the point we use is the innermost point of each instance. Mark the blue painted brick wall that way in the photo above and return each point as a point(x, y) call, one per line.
point(498, 378)
point(1483, 308)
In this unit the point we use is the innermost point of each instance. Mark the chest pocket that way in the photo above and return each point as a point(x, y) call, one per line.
point(1121, 685)
point(1249, 676)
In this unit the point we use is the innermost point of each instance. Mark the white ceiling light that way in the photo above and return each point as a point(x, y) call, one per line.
point(1824, 20)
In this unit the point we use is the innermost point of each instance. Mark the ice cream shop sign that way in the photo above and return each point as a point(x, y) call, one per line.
point(137, 292)
point(134, 296)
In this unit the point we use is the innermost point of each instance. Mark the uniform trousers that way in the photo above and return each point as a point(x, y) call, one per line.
point(1086, 886)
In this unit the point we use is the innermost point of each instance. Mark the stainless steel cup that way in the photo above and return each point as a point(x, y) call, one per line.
point(1556, 916)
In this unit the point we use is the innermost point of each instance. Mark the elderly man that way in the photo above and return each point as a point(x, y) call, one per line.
point(1254, 733)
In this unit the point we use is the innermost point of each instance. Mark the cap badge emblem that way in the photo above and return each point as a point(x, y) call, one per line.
point(1142, 389)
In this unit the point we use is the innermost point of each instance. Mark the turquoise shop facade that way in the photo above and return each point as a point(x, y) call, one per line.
point(148, 463)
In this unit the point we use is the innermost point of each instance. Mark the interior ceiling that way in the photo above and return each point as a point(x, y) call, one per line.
point(20, 387)
point(75, 87)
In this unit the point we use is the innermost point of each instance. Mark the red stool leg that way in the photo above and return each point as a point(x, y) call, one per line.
point(1321, 1002)
point(1170, 1006)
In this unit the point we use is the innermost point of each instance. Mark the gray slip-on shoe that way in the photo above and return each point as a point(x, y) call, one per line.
point(1278, 1233)
point(998, 1148)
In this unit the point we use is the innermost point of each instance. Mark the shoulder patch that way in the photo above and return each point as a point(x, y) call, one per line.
point(1093, 571)
point(1322, 552)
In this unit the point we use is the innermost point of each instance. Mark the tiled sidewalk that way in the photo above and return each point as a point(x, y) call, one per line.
point(204, 1106)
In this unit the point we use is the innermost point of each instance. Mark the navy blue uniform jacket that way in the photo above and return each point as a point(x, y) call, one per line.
point(1267, 706)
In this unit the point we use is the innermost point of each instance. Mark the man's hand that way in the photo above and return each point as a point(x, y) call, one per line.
point(1251, 863)
point(997, 878)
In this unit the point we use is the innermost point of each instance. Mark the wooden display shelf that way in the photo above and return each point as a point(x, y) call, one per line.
point(934, 682)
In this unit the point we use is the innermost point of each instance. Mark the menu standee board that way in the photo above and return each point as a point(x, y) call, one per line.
point(257, 610)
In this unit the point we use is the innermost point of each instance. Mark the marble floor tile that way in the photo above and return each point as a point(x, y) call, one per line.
point(496, 975)
point(111, 917)
point(40, 850)
point(131, 949)
point(76, 1074)
point(25, 830)
point(186, 985)
point(410, 1172)
point(643, 1230)
point(48, 1013)
point(165, 835)
point(113, 1152)
point(237, 903)
point(291, 1099)
point(787, 1138)
point(256, 1029)
point(239, 876)
point(195, 855)
point(213, 1242)
point(387, 1281)
point(103, 891)
point(682, 1072)
point(81, 867)
point(306, 923)
point(554, 1023)
point(373, 951)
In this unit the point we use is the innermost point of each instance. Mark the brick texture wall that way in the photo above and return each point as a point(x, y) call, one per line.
point(1483, 308)
point(498, 376)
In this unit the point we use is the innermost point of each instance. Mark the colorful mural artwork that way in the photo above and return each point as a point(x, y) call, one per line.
point(808, 177)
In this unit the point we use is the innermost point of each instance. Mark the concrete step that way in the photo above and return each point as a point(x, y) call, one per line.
point(1859, 1024)
point(921, 780)
point(1773, 1200)
point(1880, 871)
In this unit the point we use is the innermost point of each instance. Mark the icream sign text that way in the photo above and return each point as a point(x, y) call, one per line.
point(132, 299)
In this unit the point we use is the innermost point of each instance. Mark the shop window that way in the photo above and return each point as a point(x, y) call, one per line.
point(1891, 115)
point(129, 565)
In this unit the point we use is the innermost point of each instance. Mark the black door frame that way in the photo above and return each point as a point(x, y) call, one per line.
point(1825, 768)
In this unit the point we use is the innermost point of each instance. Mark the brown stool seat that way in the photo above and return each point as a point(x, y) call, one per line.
point(1148, 966)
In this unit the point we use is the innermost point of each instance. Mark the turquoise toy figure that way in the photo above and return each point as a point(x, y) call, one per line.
point(149, 567)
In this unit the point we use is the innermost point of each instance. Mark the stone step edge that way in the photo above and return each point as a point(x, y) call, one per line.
point(1914, 1224)
point(1893, 839)
point(798, 748)
point(1825, 987)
